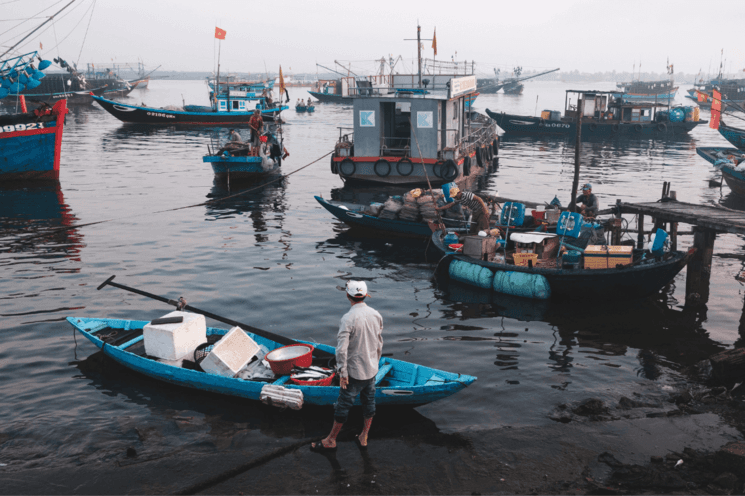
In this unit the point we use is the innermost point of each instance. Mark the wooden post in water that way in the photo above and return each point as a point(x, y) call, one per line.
point(640, 236)
point(577, 146)
point(699, 267)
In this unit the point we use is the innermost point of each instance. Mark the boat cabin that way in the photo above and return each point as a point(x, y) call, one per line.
point(240, 98)
point(607, 107)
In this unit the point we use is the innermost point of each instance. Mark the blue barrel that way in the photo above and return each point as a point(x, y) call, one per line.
point(570, 224)
point(472, 274)
point(513, 214)
point(450, 239)
point(677, 115)
point(522, 284)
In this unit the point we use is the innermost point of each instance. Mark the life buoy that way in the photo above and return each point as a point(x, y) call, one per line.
point(662, 127)
point(615, 128)
point(467, 166)
point(592, 126)
point(438, 167)
point(334, 168)
point(495, 148)
point(449, 170)
point(407, 168)
point(637, 128)
point(386, 168)
point(347, 167)
point(495, 163)
point(480, 156)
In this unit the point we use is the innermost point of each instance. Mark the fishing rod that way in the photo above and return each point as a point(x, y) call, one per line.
point(180, 304)
point(328, 69)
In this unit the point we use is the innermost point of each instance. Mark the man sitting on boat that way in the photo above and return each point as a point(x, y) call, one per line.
point(480, 220)
point(234, 136)
point(256, 123)
point(358, 351)
point(589, 202)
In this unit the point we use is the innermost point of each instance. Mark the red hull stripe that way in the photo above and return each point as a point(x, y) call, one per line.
point(15, 134)
point(389, 159)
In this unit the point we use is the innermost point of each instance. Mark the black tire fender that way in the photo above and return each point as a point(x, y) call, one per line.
point(407, 164)
point(438, 168)
point(386, 168)
point(495, 148)
point(467, 166)
point(662, 127)
point(592, 126)
point(638, 128)
point(449, 170)
point(347, 167)
point(334, 167)
point(615, 128)
point(480, 156)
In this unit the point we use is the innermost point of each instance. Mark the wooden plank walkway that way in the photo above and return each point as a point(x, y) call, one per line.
point(709, 217)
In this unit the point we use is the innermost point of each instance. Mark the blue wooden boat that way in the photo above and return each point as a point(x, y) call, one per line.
point(305, 108)
point(30, 143)
point(353, 214)
point(215, 116)
point(728, 160)
point(397, 382)
point(605, 114)
point(648, 91)
point(226, 167)
point(733, 135)
point(640, 279)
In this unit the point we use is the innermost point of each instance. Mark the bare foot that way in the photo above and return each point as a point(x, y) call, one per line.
point(325, 443)
point(362, 439)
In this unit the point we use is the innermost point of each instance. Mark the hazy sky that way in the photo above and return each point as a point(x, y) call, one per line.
point(536, 34)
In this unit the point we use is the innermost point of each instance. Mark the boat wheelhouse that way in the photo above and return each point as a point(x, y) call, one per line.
point(605, 113)
point(409, 137)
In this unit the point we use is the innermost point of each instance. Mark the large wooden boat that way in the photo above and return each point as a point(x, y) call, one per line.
point(30, 143)
point(731, 161)
point(648, 91)
point(397, 382)
point(605, 114)
point(406, 137)
point(734, 135)
point(646, 275)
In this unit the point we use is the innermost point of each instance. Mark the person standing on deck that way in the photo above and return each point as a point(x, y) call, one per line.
point(480, 220)
point(589, 202)
point(359, 346)
point(256, 123)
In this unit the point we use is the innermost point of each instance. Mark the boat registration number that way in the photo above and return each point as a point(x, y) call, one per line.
point(11, 128)
point(159, 114)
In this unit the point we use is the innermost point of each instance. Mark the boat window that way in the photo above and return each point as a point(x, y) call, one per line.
point(235, 104)
point(396, 129)
point(646, 114)
point(635, 114)
point(223, 105)
point(243, 105)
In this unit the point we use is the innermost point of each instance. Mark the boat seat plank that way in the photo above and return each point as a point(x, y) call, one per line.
point(414, 373)
point(435, 380)
point(382, 372)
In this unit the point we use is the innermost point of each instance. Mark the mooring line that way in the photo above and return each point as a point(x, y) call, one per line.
point(208, 202)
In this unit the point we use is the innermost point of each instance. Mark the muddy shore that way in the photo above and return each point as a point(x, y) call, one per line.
point(671, 444)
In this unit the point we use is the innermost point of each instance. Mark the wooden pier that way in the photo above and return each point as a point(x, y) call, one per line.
point(708, 221)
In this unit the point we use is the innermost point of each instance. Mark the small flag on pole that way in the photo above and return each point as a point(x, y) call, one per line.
point(41, 47)
point(220, 33)
point(434, 41)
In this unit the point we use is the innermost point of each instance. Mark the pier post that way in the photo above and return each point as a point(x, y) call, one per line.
point(673, 236)
point(699, 267)
point(640, 236)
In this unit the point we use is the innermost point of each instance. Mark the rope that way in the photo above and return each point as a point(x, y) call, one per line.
point(208, 202)
point(86, 32)
point(424, 167)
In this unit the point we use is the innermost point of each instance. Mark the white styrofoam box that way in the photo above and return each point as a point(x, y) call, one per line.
point(175, 341)
point(282, 397)
point(230, 354)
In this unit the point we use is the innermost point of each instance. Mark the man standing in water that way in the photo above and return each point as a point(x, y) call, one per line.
point(359, 346)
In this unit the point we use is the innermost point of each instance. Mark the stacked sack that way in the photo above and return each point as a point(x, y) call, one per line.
point(410, 210)
point(391, 208)
point(427, 206)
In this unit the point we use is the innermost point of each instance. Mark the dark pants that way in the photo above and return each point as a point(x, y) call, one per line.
point(479, 222)
point(366, 390)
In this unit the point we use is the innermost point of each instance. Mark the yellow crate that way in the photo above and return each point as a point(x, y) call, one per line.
point(522, 258)
point(546, 115)
point(605, 257)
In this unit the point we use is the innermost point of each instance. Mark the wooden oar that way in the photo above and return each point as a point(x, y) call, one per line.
point(259, 332)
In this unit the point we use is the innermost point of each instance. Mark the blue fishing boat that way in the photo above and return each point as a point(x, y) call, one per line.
point(605, 114)
point(30, 142)
point(731, 161)
point(397, 382)
point(237, 159)
point(305, 108)
point(734, 135)
point(566, 277)
point(357, 215)
point(231, 108)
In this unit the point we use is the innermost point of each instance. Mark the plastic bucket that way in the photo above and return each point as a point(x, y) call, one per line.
point(283, 359)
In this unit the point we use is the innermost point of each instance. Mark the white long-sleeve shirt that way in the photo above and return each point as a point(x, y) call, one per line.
point(359, 344)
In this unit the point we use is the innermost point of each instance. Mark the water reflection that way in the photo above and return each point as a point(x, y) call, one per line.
point(35, 218)
point(264, 201)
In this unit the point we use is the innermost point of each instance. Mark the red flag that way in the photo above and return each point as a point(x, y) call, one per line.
point(220, 33)
point(716, 110)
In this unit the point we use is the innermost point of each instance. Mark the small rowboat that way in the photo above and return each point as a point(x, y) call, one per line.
point(729, 161)
point(397, 382)
point(305, 108)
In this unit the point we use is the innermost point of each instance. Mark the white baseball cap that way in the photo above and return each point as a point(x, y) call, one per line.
point(357, 289)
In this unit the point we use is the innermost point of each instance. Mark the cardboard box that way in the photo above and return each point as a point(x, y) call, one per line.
point(607, 257)
point(229, 355)
point(478, 246)
point(545, 245)
point(175, 341)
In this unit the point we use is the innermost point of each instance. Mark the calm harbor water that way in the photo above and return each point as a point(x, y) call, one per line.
point(274, 258)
